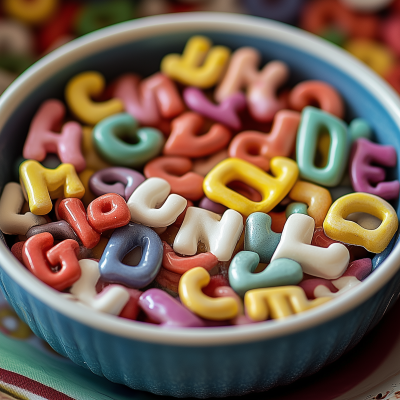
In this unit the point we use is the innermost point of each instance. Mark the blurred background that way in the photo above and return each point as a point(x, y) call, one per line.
point(369, 29)
point(29, 29)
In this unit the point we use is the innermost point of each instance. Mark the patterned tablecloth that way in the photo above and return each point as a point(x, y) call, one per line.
point(30, 369)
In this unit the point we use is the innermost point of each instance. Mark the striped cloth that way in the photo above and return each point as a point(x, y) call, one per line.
point(31, 370)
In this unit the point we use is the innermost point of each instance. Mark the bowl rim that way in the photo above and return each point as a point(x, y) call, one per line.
point(173, 23)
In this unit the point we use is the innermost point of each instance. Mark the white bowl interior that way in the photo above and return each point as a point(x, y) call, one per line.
point(72, 54)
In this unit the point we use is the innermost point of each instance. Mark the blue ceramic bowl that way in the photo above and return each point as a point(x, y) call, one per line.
point(198, 362)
